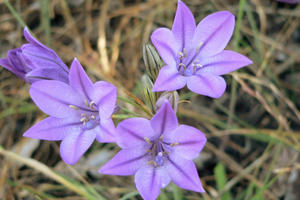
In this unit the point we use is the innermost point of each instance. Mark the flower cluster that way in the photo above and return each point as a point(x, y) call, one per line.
point(158, 150)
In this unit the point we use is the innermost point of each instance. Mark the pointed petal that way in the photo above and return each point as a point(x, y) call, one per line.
point(55, 97)
point(166, 45)
point(106, 131)
point(104, 95)
point(79, 80)
point(169, 79)
point(75, 145)
point(207, 84)
point(190, 141)
point(53, 128)
point(132, 132)
point(165, 120)
point(184, 26)
point(213, 33)
point(184, 173)
point(149, 180)
point(126, 162)
point(224, 63)
point(47, 74)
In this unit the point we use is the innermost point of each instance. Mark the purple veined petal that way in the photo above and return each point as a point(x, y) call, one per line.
point(213, 33)
point(169, 79)
point(223, 63)
point(166, 44)
point(184, 26)
point(55, 97)
point(133, 132)
point(126, 162)
point(207, 84)
point(104, 95)
point(184, 173)
point(106, 131)
point(149, 180)
point(53, 128)
point(165, 120)
point(47, 74)
point(5, 62)
point(74, 145)
point(41, 54)
point(79, 80)
point(190, 141)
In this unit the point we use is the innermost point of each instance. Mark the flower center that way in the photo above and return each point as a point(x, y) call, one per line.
point(88, 116)
point(159, 151)
point(188, 64)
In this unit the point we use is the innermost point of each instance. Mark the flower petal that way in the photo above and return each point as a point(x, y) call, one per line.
point(40, 55)
point(53, 128)
point(184, 173)
point(106, 131)
point(55, 97)
point(79, 80)
point(5, 62)
point(207, 84)
point(132, 132)
point(166, 44)
point(190, 141)
point(126, 162)
point(184, 26)
point(47, 74)
point(165, 120)
point(169, 79)
point(104, 95)
point(213, 33)
point(74, 145)
point(149, 180)
point(224, 62)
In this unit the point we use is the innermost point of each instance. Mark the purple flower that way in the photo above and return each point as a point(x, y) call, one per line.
point(79, 112)
point(289, 1)
point(34, 61)
point(195, 55)
point(157, 151)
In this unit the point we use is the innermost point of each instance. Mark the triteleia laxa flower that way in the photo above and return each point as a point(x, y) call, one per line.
point(79, 112)
point(34, 61)
point(157, 151)
point(195, 55)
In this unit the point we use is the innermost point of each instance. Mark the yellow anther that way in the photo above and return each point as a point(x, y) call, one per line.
point(147, 140)
point(174, 144)
point(181, 54)
point(152, 162)
point(74, 107)
point(183, 65)
point(199, 46)
point(161, 137)
point(91, 104)
point(93, 117)
point(86, 103)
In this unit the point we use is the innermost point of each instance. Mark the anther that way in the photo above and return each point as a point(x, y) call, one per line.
point(74, 107)
point(147, 140)
point(181, 54)
point(199, 46)
point(91, 104)
point(174, 144)
point(161, 137)
point(93, 117)
point(183, 65)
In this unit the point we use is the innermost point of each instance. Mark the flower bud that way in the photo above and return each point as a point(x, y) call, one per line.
point(172, 97)
point(149, 96)
point(152, 61)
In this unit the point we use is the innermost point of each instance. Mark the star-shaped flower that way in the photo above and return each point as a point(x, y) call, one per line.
point(157, 151)
point(79, 112)
point(195, 55)
point(34, 61)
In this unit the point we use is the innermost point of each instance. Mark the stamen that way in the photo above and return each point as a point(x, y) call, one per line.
point(93, 117)
point(74, 107)
point(86, 103)
point(91, 105)
point(199, 46)
point(147, 140)
point(161, 137)
point(181, 54)
point(183, 65)
point(174, 144)
point(152, 162)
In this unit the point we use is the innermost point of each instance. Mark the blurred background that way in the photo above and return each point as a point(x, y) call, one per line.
point(253, 130)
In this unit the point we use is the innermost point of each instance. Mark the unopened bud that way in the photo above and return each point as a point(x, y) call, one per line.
point(172, 97)
point(149, 96)
point(152, 61)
